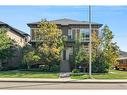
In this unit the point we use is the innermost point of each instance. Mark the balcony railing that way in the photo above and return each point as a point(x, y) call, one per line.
point(85, 39)
point(81, 39)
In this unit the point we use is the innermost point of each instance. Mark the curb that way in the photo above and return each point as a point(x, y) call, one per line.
point(60, 80)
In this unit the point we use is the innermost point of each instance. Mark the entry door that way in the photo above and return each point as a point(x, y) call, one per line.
point(68, 52)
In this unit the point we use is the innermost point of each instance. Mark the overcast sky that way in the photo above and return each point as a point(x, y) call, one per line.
point(114, 16)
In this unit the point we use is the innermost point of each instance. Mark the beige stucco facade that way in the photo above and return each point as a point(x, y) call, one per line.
point(20, 40)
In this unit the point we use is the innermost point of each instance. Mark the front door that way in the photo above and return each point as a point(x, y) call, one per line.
point(69, 52)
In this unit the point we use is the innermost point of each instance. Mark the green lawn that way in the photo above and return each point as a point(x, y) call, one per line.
point(27, 74)
point(113, 74)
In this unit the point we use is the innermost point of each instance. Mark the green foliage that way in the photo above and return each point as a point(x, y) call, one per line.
point(82, 56)
point(6, 47)
point(96, 42)
point(8, 67)
point(22, 66)
point(107, 54)
point(100, 64)
point(110, 49)
point(54, 68)
point(104, 52)
point(48, 68)
point(81, 59)
point(50, 42)
point(75, 71)
point(30, 57)
point(44, 68)
point(48, 47)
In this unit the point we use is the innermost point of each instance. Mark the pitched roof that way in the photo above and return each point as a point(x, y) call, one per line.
point(19, 31)
point(123, 54)
point(14, 29)
point(2, 22)
point(66, 21)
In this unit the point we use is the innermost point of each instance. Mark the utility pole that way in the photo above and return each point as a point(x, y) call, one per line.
point(90, 44)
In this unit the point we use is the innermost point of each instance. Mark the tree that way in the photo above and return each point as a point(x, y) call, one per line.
point(30, 58)
point(110, 49)
point(96, 41)
point(6, 46)
point(81, 59)
point(48, 47)
point(50, 43)
point(107, 53)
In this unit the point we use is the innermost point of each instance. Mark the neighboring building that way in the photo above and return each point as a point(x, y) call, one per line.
point(122, 61)
point(72, 29)
point(122, 57)
point(20, 38)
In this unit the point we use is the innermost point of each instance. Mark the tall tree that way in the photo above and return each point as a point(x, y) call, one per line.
point(107, 53)
point(6, 46)
point(50, 42)
point(110, 48)
point(96, 41)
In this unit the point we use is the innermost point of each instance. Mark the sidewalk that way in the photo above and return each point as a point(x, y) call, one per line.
point(62, 80)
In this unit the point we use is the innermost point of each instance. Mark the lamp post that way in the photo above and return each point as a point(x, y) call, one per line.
point(90, 44)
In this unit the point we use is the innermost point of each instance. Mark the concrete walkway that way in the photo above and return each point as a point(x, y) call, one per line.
point(62, 80)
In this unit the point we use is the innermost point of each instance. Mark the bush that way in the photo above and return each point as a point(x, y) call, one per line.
point(44, 68)
point(100, 65)
point(6, 68)
point(54, 68)
point(23, 66)
point(75, 71)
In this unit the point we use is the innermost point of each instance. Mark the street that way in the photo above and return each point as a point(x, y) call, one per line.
point(61, 86)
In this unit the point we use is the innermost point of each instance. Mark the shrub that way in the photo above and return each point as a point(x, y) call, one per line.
point(100, 65)
point(6, 68)
point(44, 68)
point(54, 68)
point(75, 71)
point(23, 66)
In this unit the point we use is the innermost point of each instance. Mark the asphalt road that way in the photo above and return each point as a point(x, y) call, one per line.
point(61, 86)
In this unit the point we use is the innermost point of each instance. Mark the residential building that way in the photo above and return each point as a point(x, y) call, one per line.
point(122, 61)
point(73, 29)
point(20, 39)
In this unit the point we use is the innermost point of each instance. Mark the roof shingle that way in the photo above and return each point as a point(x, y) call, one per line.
point(14, 29)
point(66, 21)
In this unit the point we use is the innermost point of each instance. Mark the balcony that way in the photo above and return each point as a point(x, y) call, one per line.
point(81, 39)
point(85, 39)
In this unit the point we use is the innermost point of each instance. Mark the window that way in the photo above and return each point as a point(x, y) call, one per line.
point(79, 33)
point(84, 34)
point(69, 34)
point(33, 34)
